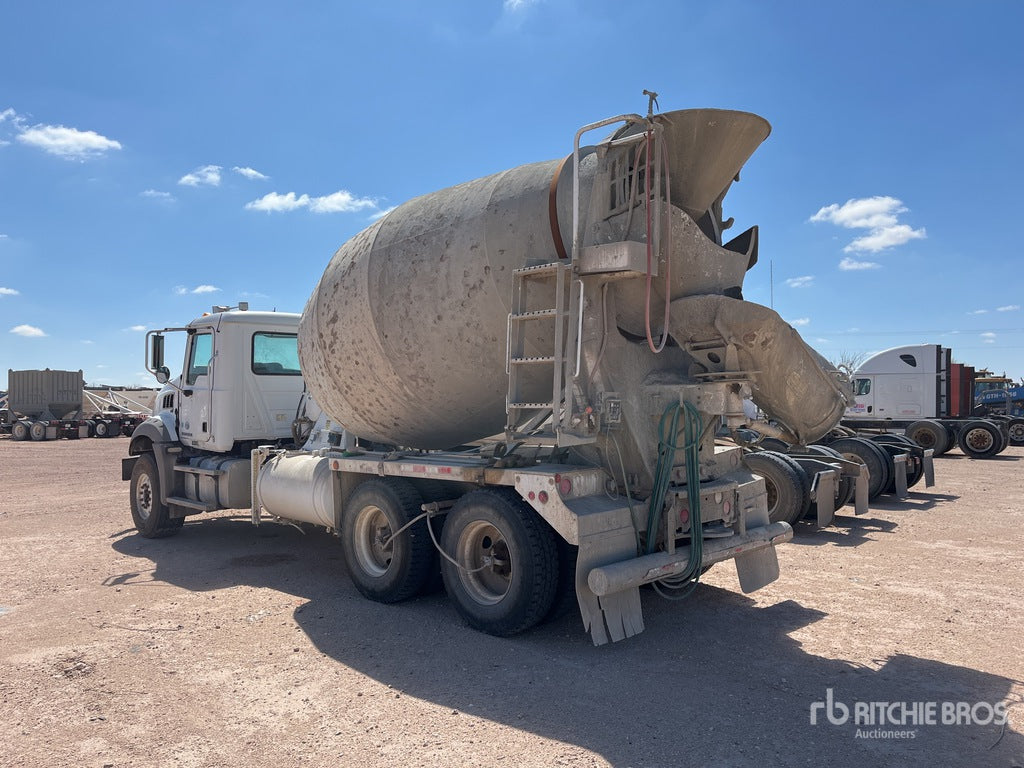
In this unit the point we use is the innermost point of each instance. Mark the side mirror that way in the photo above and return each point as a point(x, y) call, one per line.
point(157, 354)
point(163, 374)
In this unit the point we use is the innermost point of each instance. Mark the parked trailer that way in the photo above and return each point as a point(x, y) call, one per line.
point(919, 391)
point(50, 404)
point(526, 317)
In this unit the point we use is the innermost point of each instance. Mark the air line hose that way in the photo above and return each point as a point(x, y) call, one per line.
point(684, 583)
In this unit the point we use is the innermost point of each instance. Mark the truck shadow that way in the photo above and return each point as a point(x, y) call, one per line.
point(845, 531)
point(919, 501)
point(717, 680)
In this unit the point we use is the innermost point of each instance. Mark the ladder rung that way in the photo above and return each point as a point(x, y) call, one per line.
point(538, 269)
point(531, 360)
point(534, 314)
point(522, 406)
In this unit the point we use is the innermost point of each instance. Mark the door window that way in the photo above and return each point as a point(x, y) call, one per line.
point(199, 357)
point(862, 386)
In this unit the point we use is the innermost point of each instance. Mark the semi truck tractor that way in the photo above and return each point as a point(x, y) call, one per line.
point(919, 390)
point(517, 382)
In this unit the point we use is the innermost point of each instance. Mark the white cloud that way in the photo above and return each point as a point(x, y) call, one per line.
point(879, 214)
point(8, 291)
point(164, 197)
point(88, 341)
point(182, 290)
point(803, 281)
point(3, 237)
point(272, 202)
point(1008, 308)
point(850, 265)
point(988, 337)
point(517, 5)
point(800, 321)
point(885, 237)
point(978, 312)
point(137, 328)
point(67, 142)
point(865, 213)
point(8, 114)
point(206, 175)
point(250, 173)
point(341, 201)
point(28, 331)
point(382, 214)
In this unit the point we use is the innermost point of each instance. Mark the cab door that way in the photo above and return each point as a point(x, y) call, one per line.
point(864, 397)
point(197, 393)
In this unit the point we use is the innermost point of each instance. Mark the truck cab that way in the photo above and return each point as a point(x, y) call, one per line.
point(240, 382)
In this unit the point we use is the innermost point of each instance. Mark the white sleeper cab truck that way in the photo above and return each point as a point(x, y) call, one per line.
point(536, 365)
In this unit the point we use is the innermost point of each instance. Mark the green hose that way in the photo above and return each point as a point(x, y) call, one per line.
point(692, 429)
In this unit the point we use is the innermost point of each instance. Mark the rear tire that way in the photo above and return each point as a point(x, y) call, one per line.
point(19, 431)
point(150, 515)
point(783, 482)
point(1016, 430)
point(101, 429)
point(508, 572)
point(37, 431)
point(382, 569)
point(872, 456)
point(980, 439)
point(846, 487)
point(929, 434)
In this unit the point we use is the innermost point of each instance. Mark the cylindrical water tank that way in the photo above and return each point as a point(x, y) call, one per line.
point(297, 487)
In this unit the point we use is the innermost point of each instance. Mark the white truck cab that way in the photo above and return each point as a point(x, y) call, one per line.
point(240, 382)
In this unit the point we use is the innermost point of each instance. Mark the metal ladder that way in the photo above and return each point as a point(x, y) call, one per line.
point(525, 417)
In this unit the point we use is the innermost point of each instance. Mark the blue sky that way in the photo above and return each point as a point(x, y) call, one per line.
point(156, 159)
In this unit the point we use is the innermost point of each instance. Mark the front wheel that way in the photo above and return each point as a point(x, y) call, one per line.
point(151, 517)
point(506, 577)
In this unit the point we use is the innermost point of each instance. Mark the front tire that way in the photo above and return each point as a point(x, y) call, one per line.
point(507, 576)
point(386, 569)
point(151, 517)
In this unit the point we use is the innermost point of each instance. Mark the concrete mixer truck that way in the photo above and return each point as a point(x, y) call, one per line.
point(517, 382)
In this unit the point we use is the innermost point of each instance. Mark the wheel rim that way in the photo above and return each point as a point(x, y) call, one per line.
point(144, 497)
point(924, 438)
point(979, 439)
point(1017, 432)
point(374, 549)
point(773, 496)
point(483, 553)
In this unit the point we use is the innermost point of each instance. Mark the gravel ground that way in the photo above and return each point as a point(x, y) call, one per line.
point(242, 646)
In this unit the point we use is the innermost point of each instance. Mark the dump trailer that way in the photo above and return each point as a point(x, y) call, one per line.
point(50, 404)
point(918, 390)
point(516, 381)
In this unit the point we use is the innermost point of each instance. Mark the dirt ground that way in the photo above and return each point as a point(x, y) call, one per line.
point(229, 645)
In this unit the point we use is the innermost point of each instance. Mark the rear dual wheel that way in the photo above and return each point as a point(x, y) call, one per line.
point(928, 433)
point(980, 439)
point(872, 456)
point(505, 577)
point(19, 431)
point(785, 483)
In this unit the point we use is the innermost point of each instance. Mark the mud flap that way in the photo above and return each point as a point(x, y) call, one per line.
point(758, 567)
point(823, 491)
point(900, 465)
point(929, 467)
point(860, 493)
point(606, 537)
